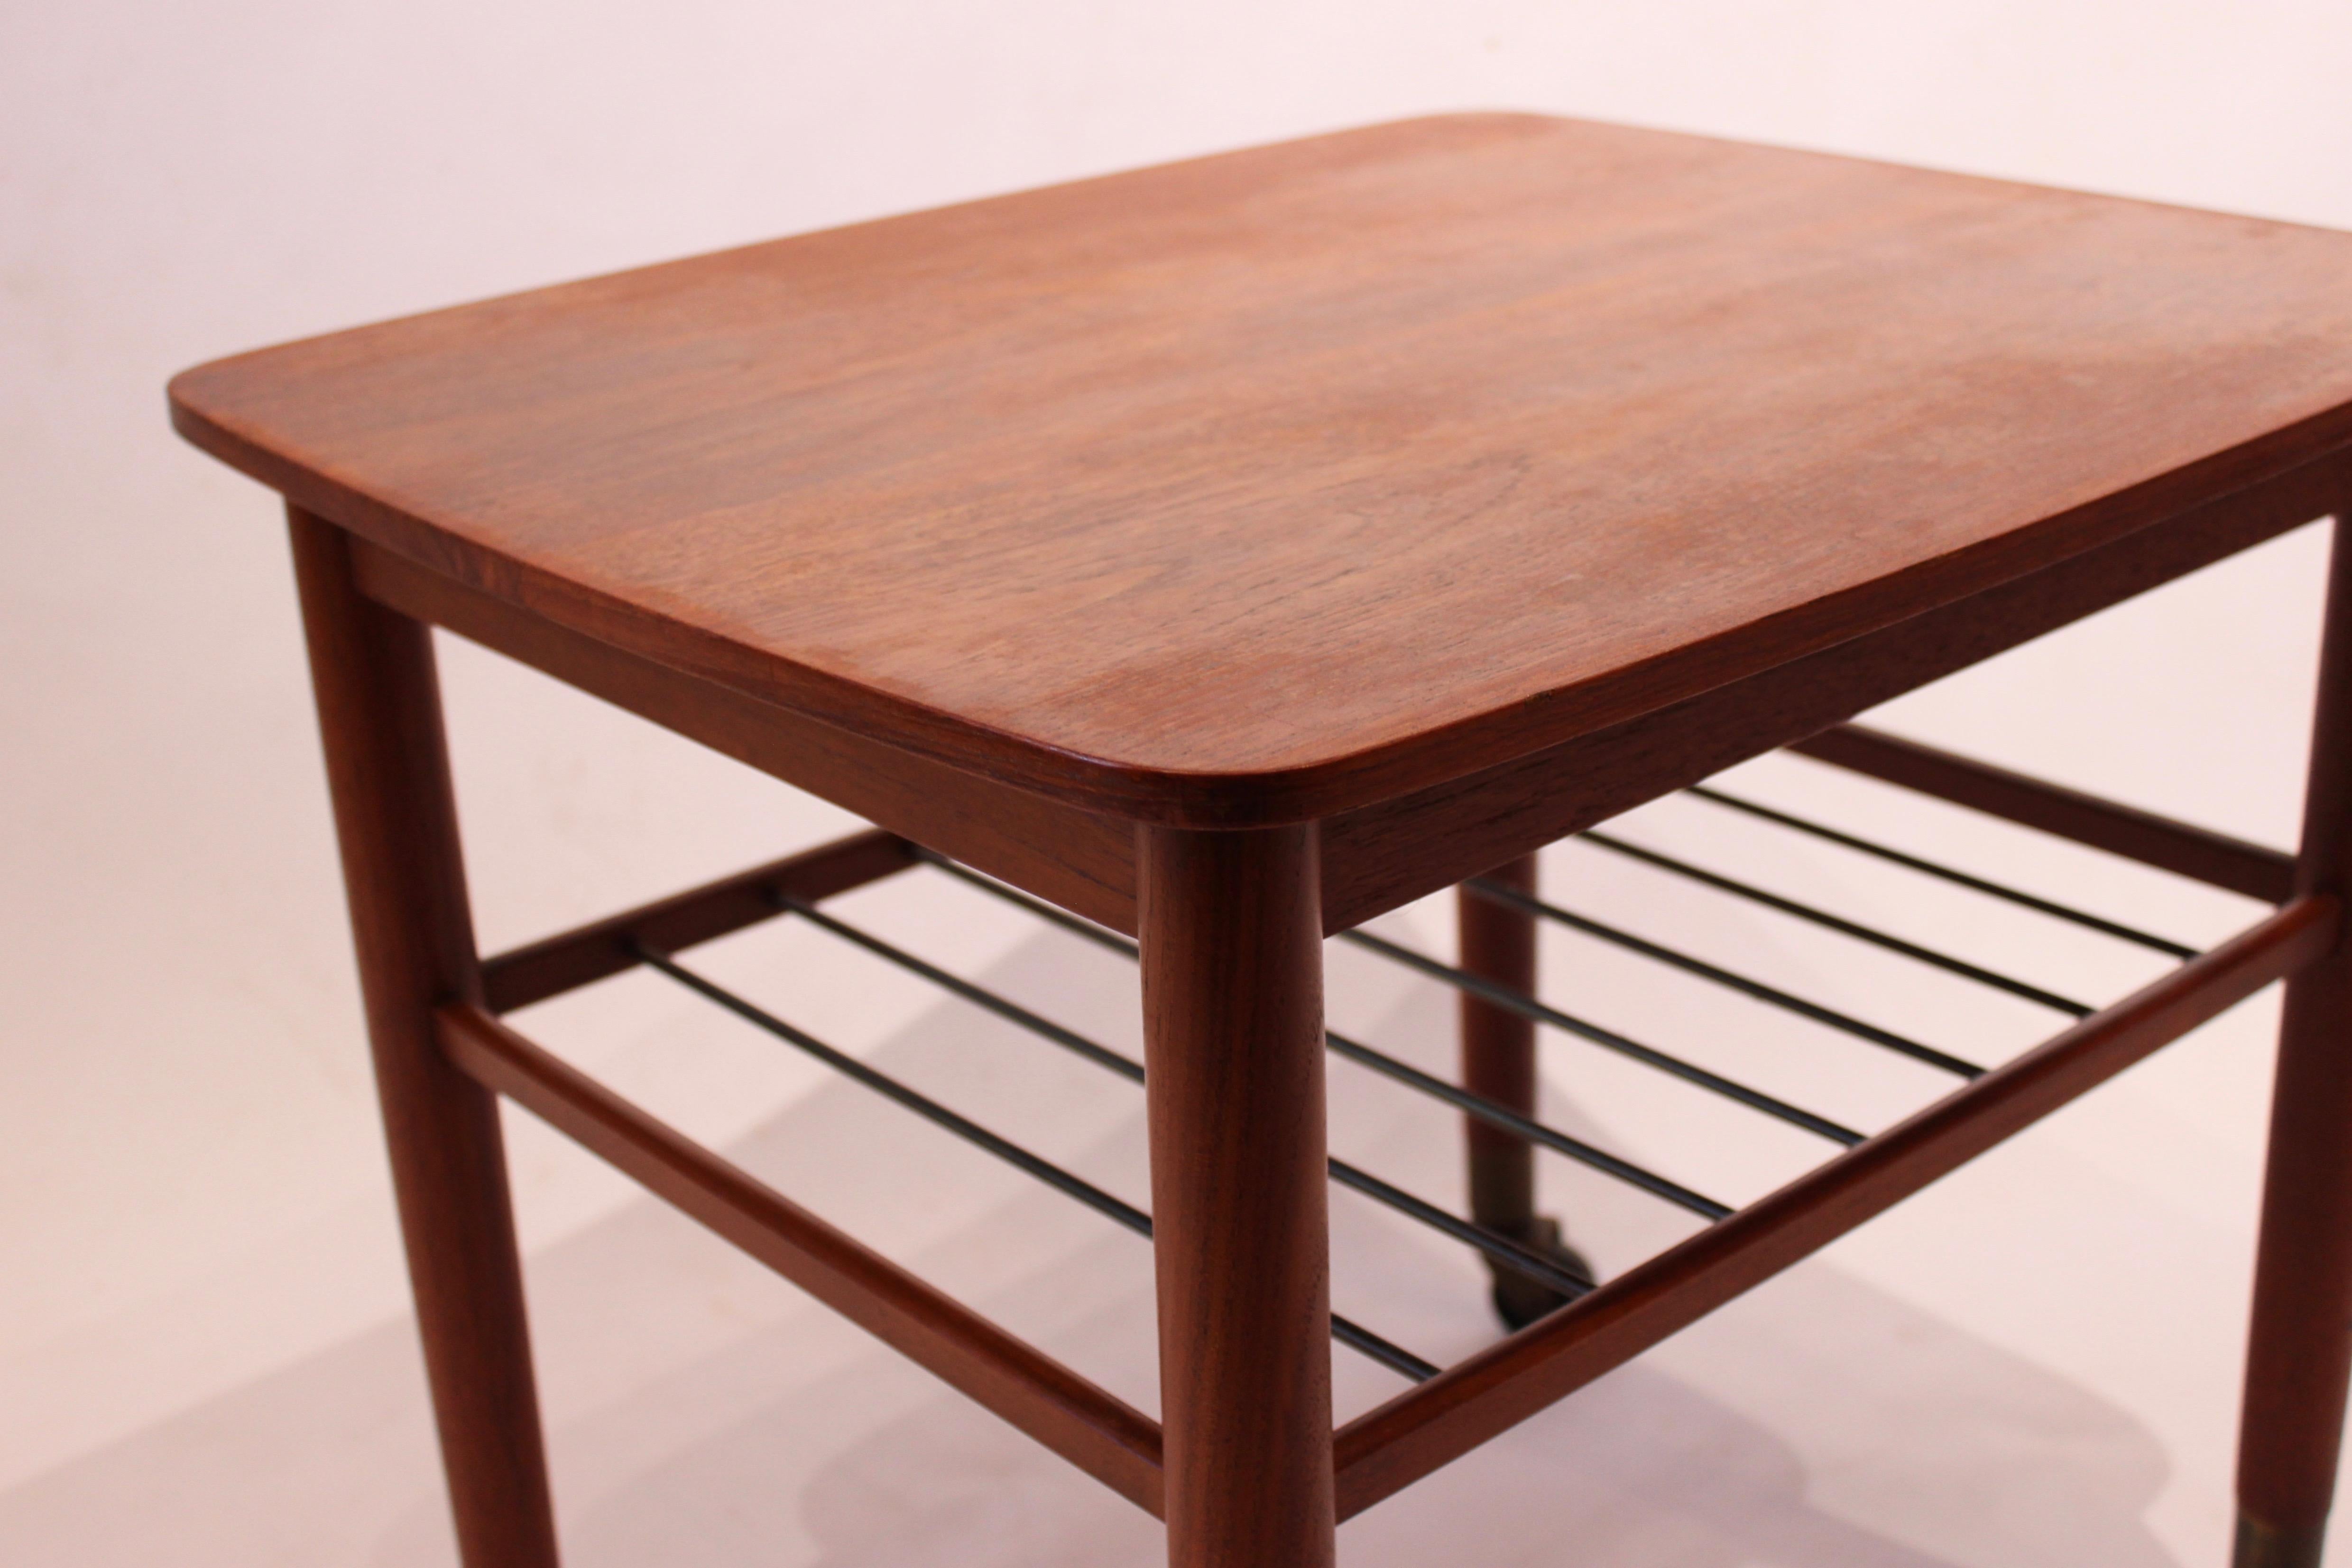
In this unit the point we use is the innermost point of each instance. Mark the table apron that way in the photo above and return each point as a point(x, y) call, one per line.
point(1380, 857)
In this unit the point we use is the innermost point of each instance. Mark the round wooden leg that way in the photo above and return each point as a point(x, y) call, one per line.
point(1499, 1061)
point(1232, 1002)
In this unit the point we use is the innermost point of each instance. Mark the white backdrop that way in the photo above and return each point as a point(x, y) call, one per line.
point(191, 1194)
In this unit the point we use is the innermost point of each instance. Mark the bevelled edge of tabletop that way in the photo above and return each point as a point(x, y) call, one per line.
point(1315, 786)
point(1326, 787)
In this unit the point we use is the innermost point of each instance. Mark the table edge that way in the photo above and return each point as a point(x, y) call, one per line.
point(1318, 787)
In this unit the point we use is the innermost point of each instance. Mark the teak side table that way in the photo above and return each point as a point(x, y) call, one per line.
point(1224, 553)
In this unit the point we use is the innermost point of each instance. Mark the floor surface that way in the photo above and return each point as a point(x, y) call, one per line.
point(2032, 1364)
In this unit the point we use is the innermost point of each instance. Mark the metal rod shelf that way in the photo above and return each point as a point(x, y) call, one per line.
point(1503, 1250)
point(1459, 1406)
point(1509, 1121)
point(1528, 1008)
point(1513, 898)
point(1495, 1245)
point(1579, 1340)
point(1953, 875)
point(1354, 1336)
point(979, 996)
point(1488, 1110)
point(1838, 923)
point(922, 1105)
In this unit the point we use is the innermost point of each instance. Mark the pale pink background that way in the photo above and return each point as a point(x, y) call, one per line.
point(204, 1354)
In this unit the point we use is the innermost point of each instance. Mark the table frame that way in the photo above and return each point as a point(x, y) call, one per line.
point(1246, 1467)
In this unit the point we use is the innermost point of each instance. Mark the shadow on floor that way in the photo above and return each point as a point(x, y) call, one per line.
point(702, 1414)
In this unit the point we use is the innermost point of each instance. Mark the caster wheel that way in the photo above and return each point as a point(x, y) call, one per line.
point(1519, 1300)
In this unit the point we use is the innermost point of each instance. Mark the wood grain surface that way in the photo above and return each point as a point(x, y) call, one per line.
point(554, 964)
point(1097, 1431)
point(2299, 1352)
point(1080, 860)
point(1233, 1010)
point(1499, 943)
point(1266, 486)
point(1381, 856)
point(1389, 1448)
point(2253, 869)
point(396, 823)
point(1387, 854)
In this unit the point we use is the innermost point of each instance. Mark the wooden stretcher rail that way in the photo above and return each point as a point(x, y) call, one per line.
point(1391, 1447)
point(1080, 860)
point(554, 964)
point(1094, 1430)
point(2216, 858)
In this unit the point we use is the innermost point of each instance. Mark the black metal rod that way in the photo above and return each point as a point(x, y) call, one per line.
point(1498, 1115)
point(1394, 1357)
point(1003, 1007)
point(1046, 1171)
point(1932, 869)
point(1496, 892)
point(1496, 1245)
point(1528, 1008)
point(1510, 1254)
point(922, 1105)
point(1038, 907)
point(1475, 1104)
point(1823, 918)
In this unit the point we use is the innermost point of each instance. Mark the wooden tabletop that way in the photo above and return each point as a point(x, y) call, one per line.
point(1270, 484)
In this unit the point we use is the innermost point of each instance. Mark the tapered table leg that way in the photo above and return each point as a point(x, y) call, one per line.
point(1499, 1050)
point(2301, 1352)
point(1499, 1061)
point(380, 716)
point(1233, 996)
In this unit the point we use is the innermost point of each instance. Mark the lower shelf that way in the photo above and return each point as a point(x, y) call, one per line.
point(1444, 1410)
